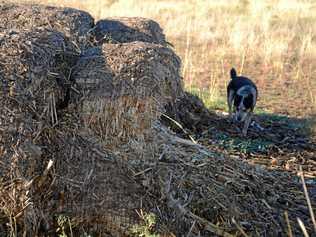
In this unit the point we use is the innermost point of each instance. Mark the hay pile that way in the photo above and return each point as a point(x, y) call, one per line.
point(190, 112)
point(75, 24)
point(127, 86)
point(206, 193)
point(128, 29)
point(82, 150)
point(51, 167)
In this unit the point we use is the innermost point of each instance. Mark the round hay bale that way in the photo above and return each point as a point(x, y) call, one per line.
point(127, 85)
point(74, 23)
point(128, 29)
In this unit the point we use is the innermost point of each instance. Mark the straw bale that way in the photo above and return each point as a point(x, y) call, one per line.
point(50, 167)
point(86, 184)
point(35, 67)
point(127, 86)
point(74, 23)
point(91, 187)
point(33, 72)
point(128, 29)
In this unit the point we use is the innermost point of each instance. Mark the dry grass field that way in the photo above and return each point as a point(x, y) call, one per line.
point(271, 41)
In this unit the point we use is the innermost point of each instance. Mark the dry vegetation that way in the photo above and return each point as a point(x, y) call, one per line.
point(272, 41)
point(84, 168)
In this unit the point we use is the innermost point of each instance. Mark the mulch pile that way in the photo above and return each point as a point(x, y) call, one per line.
point(83, 150)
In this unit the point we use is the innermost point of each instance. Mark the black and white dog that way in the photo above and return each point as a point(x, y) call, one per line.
point(242, 96)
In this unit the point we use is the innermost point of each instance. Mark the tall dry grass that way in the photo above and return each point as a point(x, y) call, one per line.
point(272, 41)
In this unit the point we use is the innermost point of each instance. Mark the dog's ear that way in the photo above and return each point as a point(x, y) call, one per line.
point(233, 73)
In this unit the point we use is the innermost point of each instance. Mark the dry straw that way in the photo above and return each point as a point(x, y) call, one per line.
point(127, 86)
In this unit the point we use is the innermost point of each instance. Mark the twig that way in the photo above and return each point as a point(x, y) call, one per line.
point(142, 172)
point(190, 231)
point(239, 228)
point(180, 126)
point(189, 143)
point(309, 204)
point(210, 226)
point(301, 224)
point(289, 229)
point(42, 178)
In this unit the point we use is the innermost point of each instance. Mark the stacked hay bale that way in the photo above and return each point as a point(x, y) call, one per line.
point(127, 86)
point(51, 167)
point(32, 86)
point(128, 78)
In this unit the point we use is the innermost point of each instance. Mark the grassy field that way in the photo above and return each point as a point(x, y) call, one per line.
point(271, 41)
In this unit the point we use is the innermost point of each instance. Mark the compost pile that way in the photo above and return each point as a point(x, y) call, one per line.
point(83, 148)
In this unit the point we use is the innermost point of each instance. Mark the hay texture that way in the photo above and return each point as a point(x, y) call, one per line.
point(127, 86)
point(128, 29)
point(51, 168)
point(209, 194)
point(74, 23)
point(190, 112)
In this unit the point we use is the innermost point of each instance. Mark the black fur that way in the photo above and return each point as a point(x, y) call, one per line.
point(248, 102)
point(233, 73)
point(235, 84)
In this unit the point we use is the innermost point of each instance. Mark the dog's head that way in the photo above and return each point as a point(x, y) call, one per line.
point(244, 102)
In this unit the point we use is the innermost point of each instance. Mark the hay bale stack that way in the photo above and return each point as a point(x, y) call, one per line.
point(126, 86)
point(74, 23)
point(128, 29)
point(49, 165)
point(50, 168)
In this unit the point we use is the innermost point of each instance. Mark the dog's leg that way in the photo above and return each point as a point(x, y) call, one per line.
point(247, 123)
point(230, 98)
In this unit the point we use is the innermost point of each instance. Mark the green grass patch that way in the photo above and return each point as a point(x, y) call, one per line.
point(212, 102)
point(241, 145)
point(145, 229)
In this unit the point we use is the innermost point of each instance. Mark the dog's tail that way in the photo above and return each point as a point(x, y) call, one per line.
point(233, 73)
